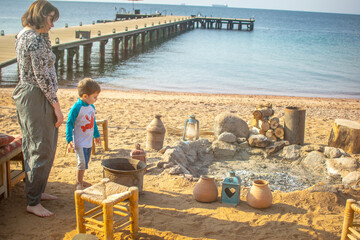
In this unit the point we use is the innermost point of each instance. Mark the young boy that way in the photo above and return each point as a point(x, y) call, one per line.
point(81, 127)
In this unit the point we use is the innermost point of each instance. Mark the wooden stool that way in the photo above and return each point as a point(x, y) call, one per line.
point(107, 195)
point(350, 229)
point(104, 135)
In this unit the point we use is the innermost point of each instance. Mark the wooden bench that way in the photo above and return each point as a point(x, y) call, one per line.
point(9, 177)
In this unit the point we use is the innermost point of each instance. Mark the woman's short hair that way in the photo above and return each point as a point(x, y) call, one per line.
point(88, 86)
point(37, 13)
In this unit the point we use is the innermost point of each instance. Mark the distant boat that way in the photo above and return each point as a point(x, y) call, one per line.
point(220, 5)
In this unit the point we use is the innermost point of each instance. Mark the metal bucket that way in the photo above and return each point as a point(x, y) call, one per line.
point(125, 171)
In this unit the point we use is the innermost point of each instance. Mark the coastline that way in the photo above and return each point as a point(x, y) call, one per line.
point(167, 209)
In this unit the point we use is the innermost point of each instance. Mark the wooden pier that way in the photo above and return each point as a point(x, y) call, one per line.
point(230, 23)
point(125, 35)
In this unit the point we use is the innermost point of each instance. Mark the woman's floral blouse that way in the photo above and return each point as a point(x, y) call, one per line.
point(36, 63)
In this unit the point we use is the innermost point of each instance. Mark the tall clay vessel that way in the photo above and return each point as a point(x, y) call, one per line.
point(205, 189)
point(155, 134)
point(259, 195)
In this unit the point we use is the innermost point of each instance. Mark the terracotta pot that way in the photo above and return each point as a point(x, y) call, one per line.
point(205, 189)
point(259, 195)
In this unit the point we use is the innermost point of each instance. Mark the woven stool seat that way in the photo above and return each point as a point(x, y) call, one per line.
point(107, 195)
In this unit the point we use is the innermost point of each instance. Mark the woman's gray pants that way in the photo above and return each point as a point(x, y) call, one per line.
point(37, 121)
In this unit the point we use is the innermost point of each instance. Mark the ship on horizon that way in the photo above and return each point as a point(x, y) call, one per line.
point(219, 5)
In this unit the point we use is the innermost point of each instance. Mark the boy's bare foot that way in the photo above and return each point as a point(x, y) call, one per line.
point(86, 184)
point(79, 186)
point(39, 211)
point(45, 196)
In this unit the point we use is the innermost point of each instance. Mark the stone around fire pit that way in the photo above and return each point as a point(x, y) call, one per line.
point(292, 168)
point(227, 122)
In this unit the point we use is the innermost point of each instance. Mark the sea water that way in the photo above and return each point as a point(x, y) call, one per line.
point(288, 53)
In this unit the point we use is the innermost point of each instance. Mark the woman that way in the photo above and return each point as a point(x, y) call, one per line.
point(38, 109)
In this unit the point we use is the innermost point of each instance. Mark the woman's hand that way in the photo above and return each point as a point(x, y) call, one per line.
point(58, 114)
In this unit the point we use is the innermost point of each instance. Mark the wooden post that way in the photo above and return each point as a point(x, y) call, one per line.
point(294, 125)
point(108, 218)
point(70, 58)
point(102, 49)
point(134, 211)
point(115, 47)
point(151, 36)
point(106, 135)
point(87, 55)
point(126, 43)
point(348, 219)
point(143, 38)
point(134, 41)
point(80, 211)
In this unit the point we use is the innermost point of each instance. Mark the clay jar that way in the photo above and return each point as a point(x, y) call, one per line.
point(205, 189)
point(155, 134)
point(259, 195)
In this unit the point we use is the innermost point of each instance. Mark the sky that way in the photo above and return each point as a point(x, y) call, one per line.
point(333, 6)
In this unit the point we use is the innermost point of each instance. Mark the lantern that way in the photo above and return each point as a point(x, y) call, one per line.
point(230, 192)
point(191, 129)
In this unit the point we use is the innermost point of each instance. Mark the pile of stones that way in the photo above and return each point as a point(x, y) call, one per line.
point(253, 156)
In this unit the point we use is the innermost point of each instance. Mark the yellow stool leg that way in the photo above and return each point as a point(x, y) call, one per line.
point(134, 212)
point(348, 219)
point(80, 211)
point(108, 219)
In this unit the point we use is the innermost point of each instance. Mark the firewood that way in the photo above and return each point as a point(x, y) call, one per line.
point(262, 132)
point(345, 134)
point(274, 122)
point(273, 138)
point(263, 113)
point(254, 123)
point(264, 125)
point(279, 132)
point(269, 133)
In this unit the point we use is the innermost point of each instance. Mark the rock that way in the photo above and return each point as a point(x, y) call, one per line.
point(163, 150)
point(275, 147)
point(227, 137)
point(175, 155)
point(331, 152)
point(175, 170)
point(315, 162)
point(351, 179)
point(258, 141)
point(189, 177)
point(341, 166)
point(161, 164)
point(323, 188)
point(313, 147)
point(227, 122)
point(291, 153)
point(189, 151)
point(241, 140)
point(343, 153)
point(223, 150)
point(168, 165)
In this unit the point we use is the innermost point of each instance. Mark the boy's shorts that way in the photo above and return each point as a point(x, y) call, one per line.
point(83, 157)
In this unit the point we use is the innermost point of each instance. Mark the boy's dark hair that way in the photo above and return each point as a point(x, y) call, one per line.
point(37, 13)
point(88, 86)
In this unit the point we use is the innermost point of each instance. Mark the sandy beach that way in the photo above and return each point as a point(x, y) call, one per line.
point(167, 209)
